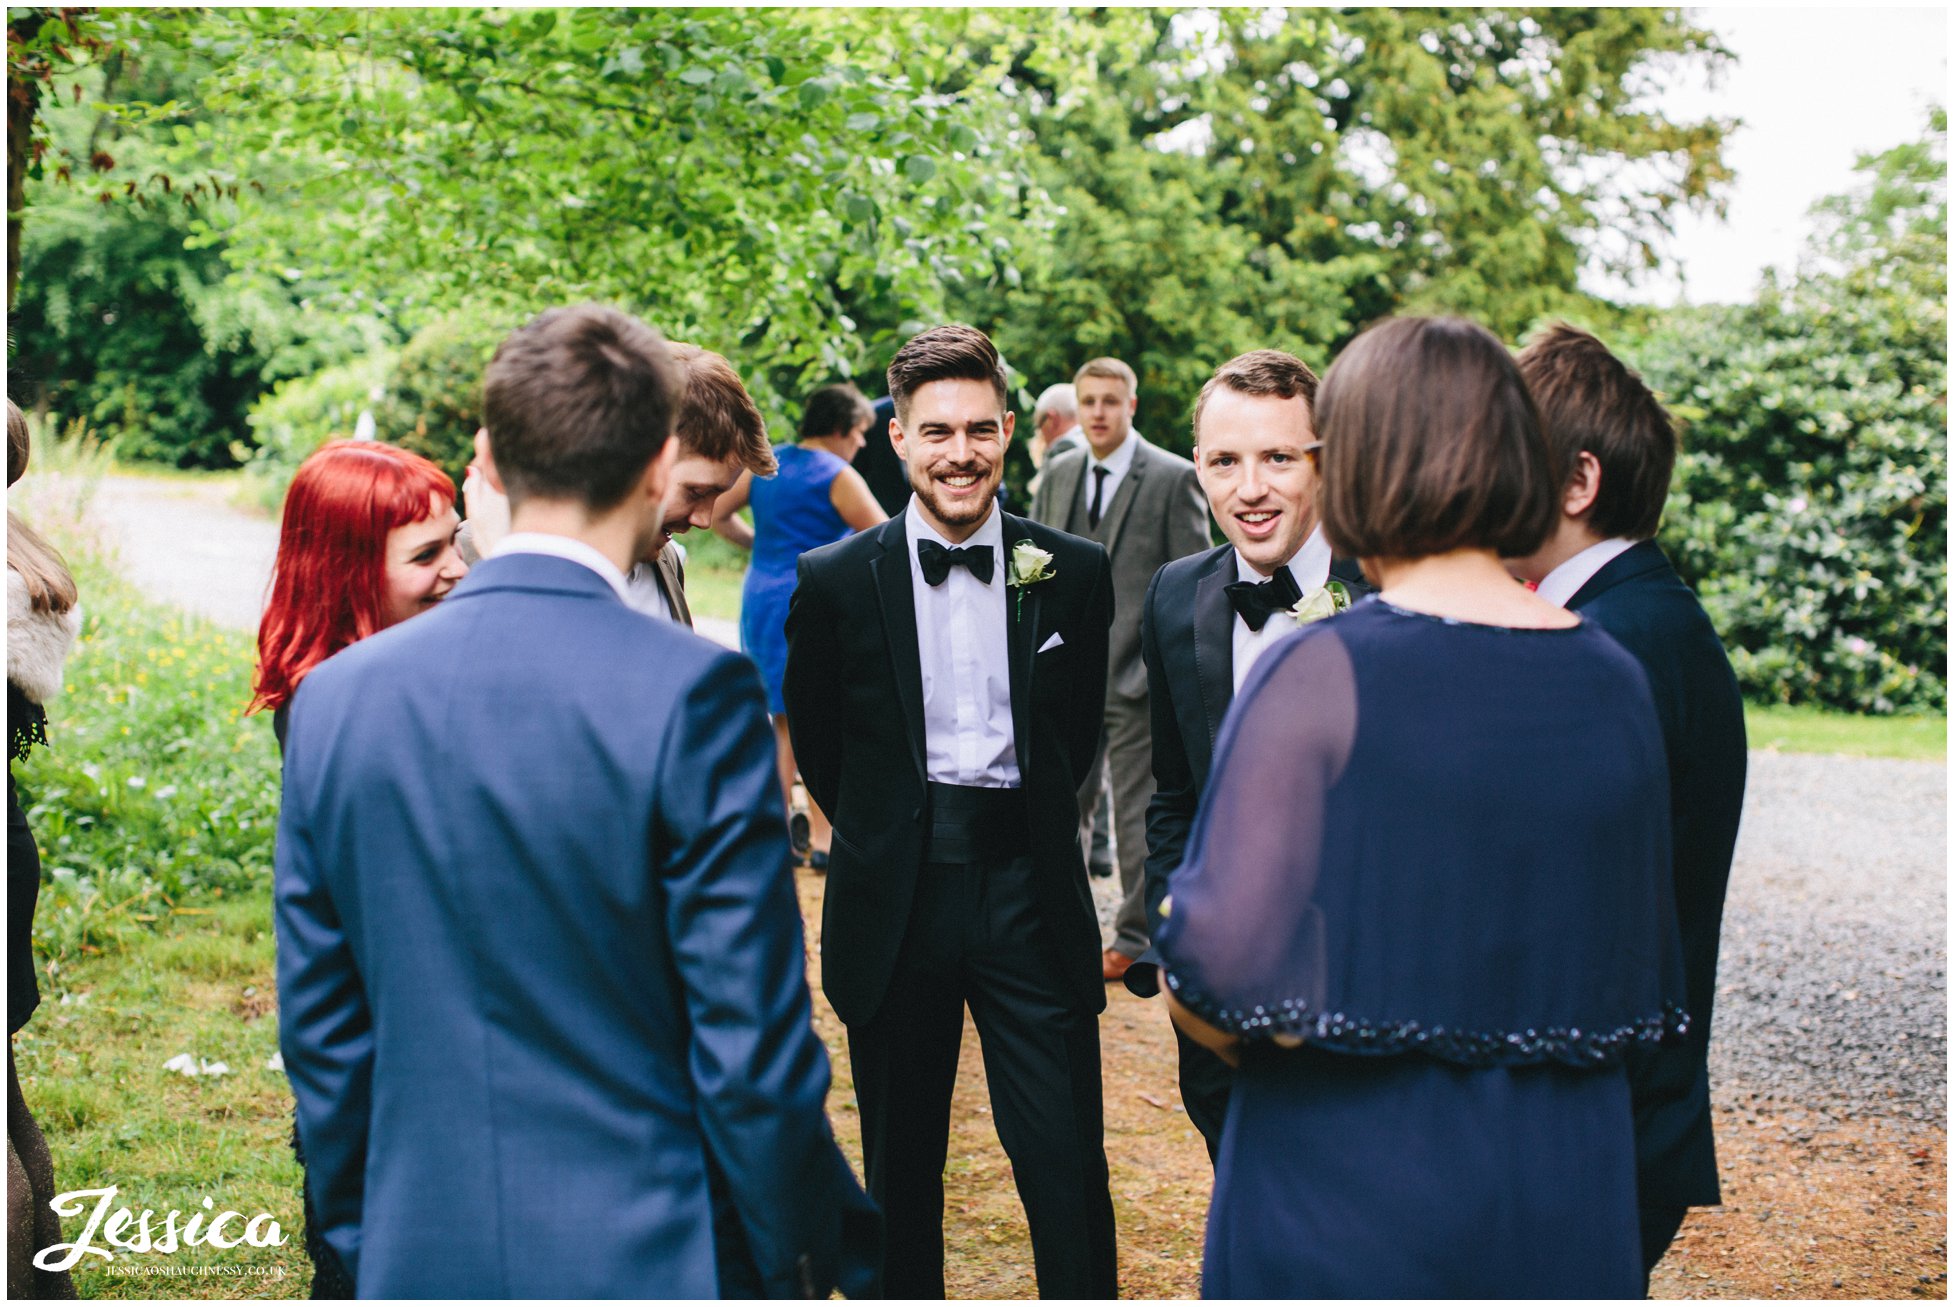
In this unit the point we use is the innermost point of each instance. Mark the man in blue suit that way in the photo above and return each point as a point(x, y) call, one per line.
point(541, 973)
point(1613, 449)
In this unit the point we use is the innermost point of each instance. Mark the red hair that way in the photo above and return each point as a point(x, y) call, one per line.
point(328, 584)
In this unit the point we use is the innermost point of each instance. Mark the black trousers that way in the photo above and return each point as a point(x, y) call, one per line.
point(1205, 1083)
point(1659, 1227)
point(975, 936)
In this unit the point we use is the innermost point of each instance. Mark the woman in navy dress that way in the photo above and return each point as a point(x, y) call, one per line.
point(814, 499)
point(1426, 904)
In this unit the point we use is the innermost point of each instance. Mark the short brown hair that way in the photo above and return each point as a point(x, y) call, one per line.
point(1108, 367)
point(1430, 444)
point(577, 403)
point(717, 419)
point(1591, 402)
point(948, 353)
point(835, 411)
point(1267, 372)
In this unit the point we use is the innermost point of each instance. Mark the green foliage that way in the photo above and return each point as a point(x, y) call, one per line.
point(154, 795)
point(1810, 503)
point(1234, 179)
point(433, 399)
point(296, 417)
point(727, 173)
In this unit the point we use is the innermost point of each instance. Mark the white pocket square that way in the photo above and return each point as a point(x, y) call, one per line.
point(1052, 643)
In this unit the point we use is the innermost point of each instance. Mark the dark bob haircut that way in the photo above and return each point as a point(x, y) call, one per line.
point(1431, 444)
point(1593, 403)
point(835, 411)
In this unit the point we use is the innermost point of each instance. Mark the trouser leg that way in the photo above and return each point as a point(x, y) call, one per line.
point(1041, 1058)
point(1205, 1083)
point(905, 1066)
point(1129, 762)
point(1659, 1227)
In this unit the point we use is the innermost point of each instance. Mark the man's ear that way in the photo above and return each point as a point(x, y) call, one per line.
point(896, 438)
point(485, 459)
point(658, 473)
point(1583, 486)
point(1010, 425)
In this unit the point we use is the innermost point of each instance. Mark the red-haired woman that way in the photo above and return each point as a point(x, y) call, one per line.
point(368, 540)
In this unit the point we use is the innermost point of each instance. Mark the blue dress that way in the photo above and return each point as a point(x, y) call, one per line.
point(792, 513)
point(1429, 885)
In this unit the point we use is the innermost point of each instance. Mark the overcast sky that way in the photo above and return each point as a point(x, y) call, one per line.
point(1816, 88)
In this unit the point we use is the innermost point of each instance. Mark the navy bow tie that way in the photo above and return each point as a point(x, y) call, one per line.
point(1258, 601)
point(937, 561)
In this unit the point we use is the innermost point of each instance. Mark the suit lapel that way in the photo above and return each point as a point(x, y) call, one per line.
point(1065, 492)
point(1347, 571)
point(1214, 642)
point(896, 592)
point(672, 582)
point(1129, 487)
point(1021, 627)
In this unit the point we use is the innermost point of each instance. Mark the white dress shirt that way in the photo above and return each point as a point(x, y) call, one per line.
point(644, 592)
point(1311, 568)
point(966, 656)
point(1565, 581)
point(1117, 464)
point(536, 542)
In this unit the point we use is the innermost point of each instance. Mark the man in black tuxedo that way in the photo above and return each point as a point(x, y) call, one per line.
point(1210, 615)
point(946, 674)
point(1613, 449)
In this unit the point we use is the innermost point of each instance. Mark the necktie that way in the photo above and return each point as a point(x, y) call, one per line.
point(937, 561)
point(1099, 475)
point(1258, 601)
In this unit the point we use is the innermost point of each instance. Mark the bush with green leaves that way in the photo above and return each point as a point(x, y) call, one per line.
point(1810, 503)
point(296, 417)
point(433, 399)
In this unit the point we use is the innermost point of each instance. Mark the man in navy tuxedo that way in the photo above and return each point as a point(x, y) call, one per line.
point(542, 995)
point(1209, 616)
point(1613, 449)
point(946, 672)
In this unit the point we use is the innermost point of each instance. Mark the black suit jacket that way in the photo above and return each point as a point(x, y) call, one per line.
point(1187, 640)
point(888, 479)
point(1640, 601)
point(854, 695)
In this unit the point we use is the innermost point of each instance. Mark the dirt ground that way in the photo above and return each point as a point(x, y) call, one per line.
point(1814, 1207)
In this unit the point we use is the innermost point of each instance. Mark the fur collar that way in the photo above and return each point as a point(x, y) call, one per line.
point(37, 642)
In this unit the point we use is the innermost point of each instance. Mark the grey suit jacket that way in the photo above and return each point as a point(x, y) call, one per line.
point(1158, 514)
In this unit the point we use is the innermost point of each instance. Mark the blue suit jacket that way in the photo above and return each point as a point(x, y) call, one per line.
point(1638, 598)
point(541, 973)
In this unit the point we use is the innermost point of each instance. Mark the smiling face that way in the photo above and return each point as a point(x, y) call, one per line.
point(1106, 409)
point(952, 439)
point(422, 562)
point(697, 483)
point(1250, 457)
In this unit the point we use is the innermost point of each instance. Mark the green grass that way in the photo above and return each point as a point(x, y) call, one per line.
point(1818, 730)
point(714, 573)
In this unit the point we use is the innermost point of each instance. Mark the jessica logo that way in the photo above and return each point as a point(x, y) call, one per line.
point(261, 1231)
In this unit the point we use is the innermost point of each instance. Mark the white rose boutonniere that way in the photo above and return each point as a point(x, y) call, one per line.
point(1326, 601)
point(1029, 566)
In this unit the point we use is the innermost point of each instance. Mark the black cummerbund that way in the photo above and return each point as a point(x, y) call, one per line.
point(970, 823)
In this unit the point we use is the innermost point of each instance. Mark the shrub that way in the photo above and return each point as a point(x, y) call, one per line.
point(433, 400)
point(296, 417)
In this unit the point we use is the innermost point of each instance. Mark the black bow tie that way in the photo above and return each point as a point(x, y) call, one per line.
point(937, 561)
point(1258, 601)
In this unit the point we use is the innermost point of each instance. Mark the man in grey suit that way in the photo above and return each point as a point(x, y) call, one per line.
point(1146, 507)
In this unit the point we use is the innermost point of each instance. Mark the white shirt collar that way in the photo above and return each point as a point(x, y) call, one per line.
point(1310, 567)
point(1565, 581)
point(1120, 459)
point(990, 533)
point(576, 551)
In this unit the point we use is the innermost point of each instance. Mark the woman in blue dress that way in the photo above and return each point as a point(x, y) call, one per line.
point(814, 499)
point(1426, 904)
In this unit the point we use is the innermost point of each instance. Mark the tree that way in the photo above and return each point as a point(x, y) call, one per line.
point(1238, 178)
point(730, 174)
point(1810, 501)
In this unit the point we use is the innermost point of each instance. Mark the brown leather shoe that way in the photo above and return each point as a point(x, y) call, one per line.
point(1113, 964)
